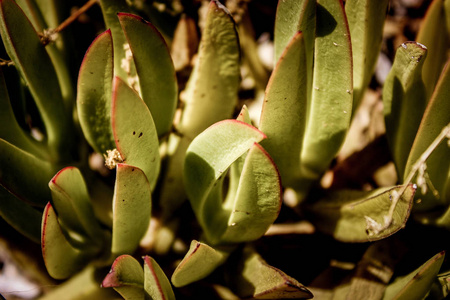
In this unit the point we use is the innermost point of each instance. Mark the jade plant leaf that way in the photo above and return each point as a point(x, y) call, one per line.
point(94, 93)
point(71, 201)
point(416, 284)
point(254, 278)
point(435, 37)
point(435, 118)
point(131, 209)
point(343, 214)
point(23, 45)
point(404, 101)
point(156, 283)
point(365, 20)
point(134, 131)
point(200, 261)
point(61, 259)
point(154, 66)
point(283, 115)
point(126, 277)
point(330, 107)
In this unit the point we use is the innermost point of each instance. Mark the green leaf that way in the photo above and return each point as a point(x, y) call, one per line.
point(61, 259)
point(134, 131)
point(436, 39)
point(212, 90)
point(156, 283)
point(25, 175)
point(254, 278)
point(71, 201)
point(24, 46)
point(343, 214)
point(404, 101)
point(283, 115)
point(94, 93)
point(126, 277)
point(155, 69)
point(329, 111)
point(200, 261)
point(21, 216)
point(131, 209)
point(365, 21)
point(416, 284)
point(435, 118)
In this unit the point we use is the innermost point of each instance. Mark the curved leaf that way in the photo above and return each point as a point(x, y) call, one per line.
point(343, 214)
point(94, 93)
point(131, 209)
point(156, 283)
point(404, 101)
point(155, 69)
point(134, 131)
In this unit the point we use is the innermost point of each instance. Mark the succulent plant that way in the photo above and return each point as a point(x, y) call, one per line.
point(186, 161)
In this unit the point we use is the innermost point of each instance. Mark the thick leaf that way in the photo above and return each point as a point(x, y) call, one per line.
point(207, 159)
point(61, 259)
point(25, 175)
point(156, 283)
point(329, 111)
point(71, 201)
point(404, 101)
point(131, 209)
point(433, 35)
point(24, 46)
point(184, 43)
point(94, 93)
point(200, 261)
point(212, 90)
point(283, 115)
point(343, 214)
point(416, 284)
point(440, 287)
point(365, 20)
point(254, 278)
point(126, 277)
point(134, 131)
point(21, 216)
point(435, 118)
point(155, 69)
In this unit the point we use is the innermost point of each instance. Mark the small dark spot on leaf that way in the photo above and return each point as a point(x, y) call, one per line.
point(132, 169)
point(202, 95)
point(134, 132)
point(91, 72)
point(123, 200)
point(140, 134)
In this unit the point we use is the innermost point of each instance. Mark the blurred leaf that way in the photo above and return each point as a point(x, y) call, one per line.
point(126, 277)
point(416, 284)
point(154, 66)
point(131, 209)
point(61, 259)
point(200, 261)
point(254, 278)
point(94, 93)
point(366, 22)
point(329, 111)
point(185, 43)
point(156, 283)
point(134, 131)
point(404, 101)
point(283, 115)
point(342, 214)
point(440, 287)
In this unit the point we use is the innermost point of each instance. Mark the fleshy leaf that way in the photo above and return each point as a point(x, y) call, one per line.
point(61, 259)
point(365, 20)
point(404, 101)
point(155, 69)
point(156, 283)
point(416, 284)
point(254, 278)
point(131, 209)
point(134, 131)
point(283, 115)
point(126, 277)
point(200, 261)
point(94, 93)
point(343, 214)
